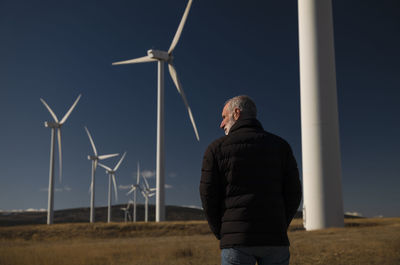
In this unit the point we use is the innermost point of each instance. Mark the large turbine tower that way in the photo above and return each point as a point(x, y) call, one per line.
point(323, 206)
point(55, 125)
point(161, 57)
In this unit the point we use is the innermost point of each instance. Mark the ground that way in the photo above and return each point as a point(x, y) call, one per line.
point(362, 241)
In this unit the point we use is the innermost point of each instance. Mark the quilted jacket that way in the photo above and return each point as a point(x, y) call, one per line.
point(250, 188)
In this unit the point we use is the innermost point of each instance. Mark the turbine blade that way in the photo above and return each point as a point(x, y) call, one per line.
point(151, 195)
point(59, 153)
point(94, 173)
point(70, 110)
point(119, 162)
point(102, 157)
point(115, 187)
point(138, 174)
point(129, 192)
point(144, 194)
point(49, 109)
point(91, 141)
point(178, 85)
point(146, 183)
point(105, 167)
point(144, 59)
point(153, 189)
point(180, 27)
point(91, 187)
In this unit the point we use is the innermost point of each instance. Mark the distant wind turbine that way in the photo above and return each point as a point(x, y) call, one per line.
point(126, 211)
point(55, 125)
point(95, 158)
point(134, 187)
point(161, 57)
point(111, 175)
point(147, 192)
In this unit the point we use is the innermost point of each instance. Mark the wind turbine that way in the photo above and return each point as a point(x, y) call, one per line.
point(147, 192)
point(95, 158)
point(111, 175)
point(126, 211)
point(55, 125)
point(133, 189)
point(161, 57)
point(322, 204)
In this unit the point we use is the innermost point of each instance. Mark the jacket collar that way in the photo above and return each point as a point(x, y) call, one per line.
point(246, 123)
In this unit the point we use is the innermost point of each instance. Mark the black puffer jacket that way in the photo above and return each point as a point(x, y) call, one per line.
point(250, 187)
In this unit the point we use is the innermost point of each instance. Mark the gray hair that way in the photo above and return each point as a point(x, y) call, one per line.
point(244, 103)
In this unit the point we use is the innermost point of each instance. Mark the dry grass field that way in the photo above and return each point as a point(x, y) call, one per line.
point(362, 241)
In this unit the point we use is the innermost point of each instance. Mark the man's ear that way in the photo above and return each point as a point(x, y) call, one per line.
point(236, 114)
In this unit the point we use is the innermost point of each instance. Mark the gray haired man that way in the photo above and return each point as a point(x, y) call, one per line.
point(250, 188)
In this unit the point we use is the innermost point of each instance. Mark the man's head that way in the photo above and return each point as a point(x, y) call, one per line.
point(235, 108)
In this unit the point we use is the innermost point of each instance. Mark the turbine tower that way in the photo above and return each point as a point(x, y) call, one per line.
point(147, 192)
point(133, 189)
point(95, 158)
point(161, 57)
point(111, 175)
point(55, 125)
point(322, 204)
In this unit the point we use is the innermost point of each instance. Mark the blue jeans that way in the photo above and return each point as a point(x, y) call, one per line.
point(263, 255)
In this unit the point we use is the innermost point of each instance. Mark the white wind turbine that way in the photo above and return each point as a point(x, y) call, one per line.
point(147, 192)
point(126, 211)
point(161, 57)
point(322, 174)
point(134, 187)
point(95, 158)
point(55, 125)
point(111, 175)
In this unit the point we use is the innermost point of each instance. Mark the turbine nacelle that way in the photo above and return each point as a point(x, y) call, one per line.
point(50, 124)
point(159, 55)
point(89, 157)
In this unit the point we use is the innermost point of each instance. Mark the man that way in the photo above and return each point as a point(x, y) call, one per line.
point(249, 188)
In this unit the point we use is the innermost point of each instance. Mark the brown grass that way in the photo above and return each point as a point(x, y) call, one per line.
point(103, 230)
point(363, 241)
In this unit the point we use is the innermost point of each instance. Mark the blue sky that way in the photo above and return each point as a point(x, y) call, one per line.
point(59, 49)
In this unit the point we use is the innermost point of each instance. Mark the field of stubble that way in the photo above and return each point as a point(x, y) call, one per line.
point(362, 241)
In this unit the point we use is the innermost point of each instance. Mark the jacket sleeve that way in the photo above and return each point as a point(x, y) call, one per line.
point(291, 186)
point(210, 192)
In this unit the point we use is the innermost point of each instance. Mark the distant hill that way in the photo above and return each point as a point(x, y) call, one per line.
point(299, 214)
point(78, 215)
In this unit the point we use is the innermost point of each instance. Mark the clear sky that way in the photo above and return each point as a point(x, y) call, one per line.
point(59, 49)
